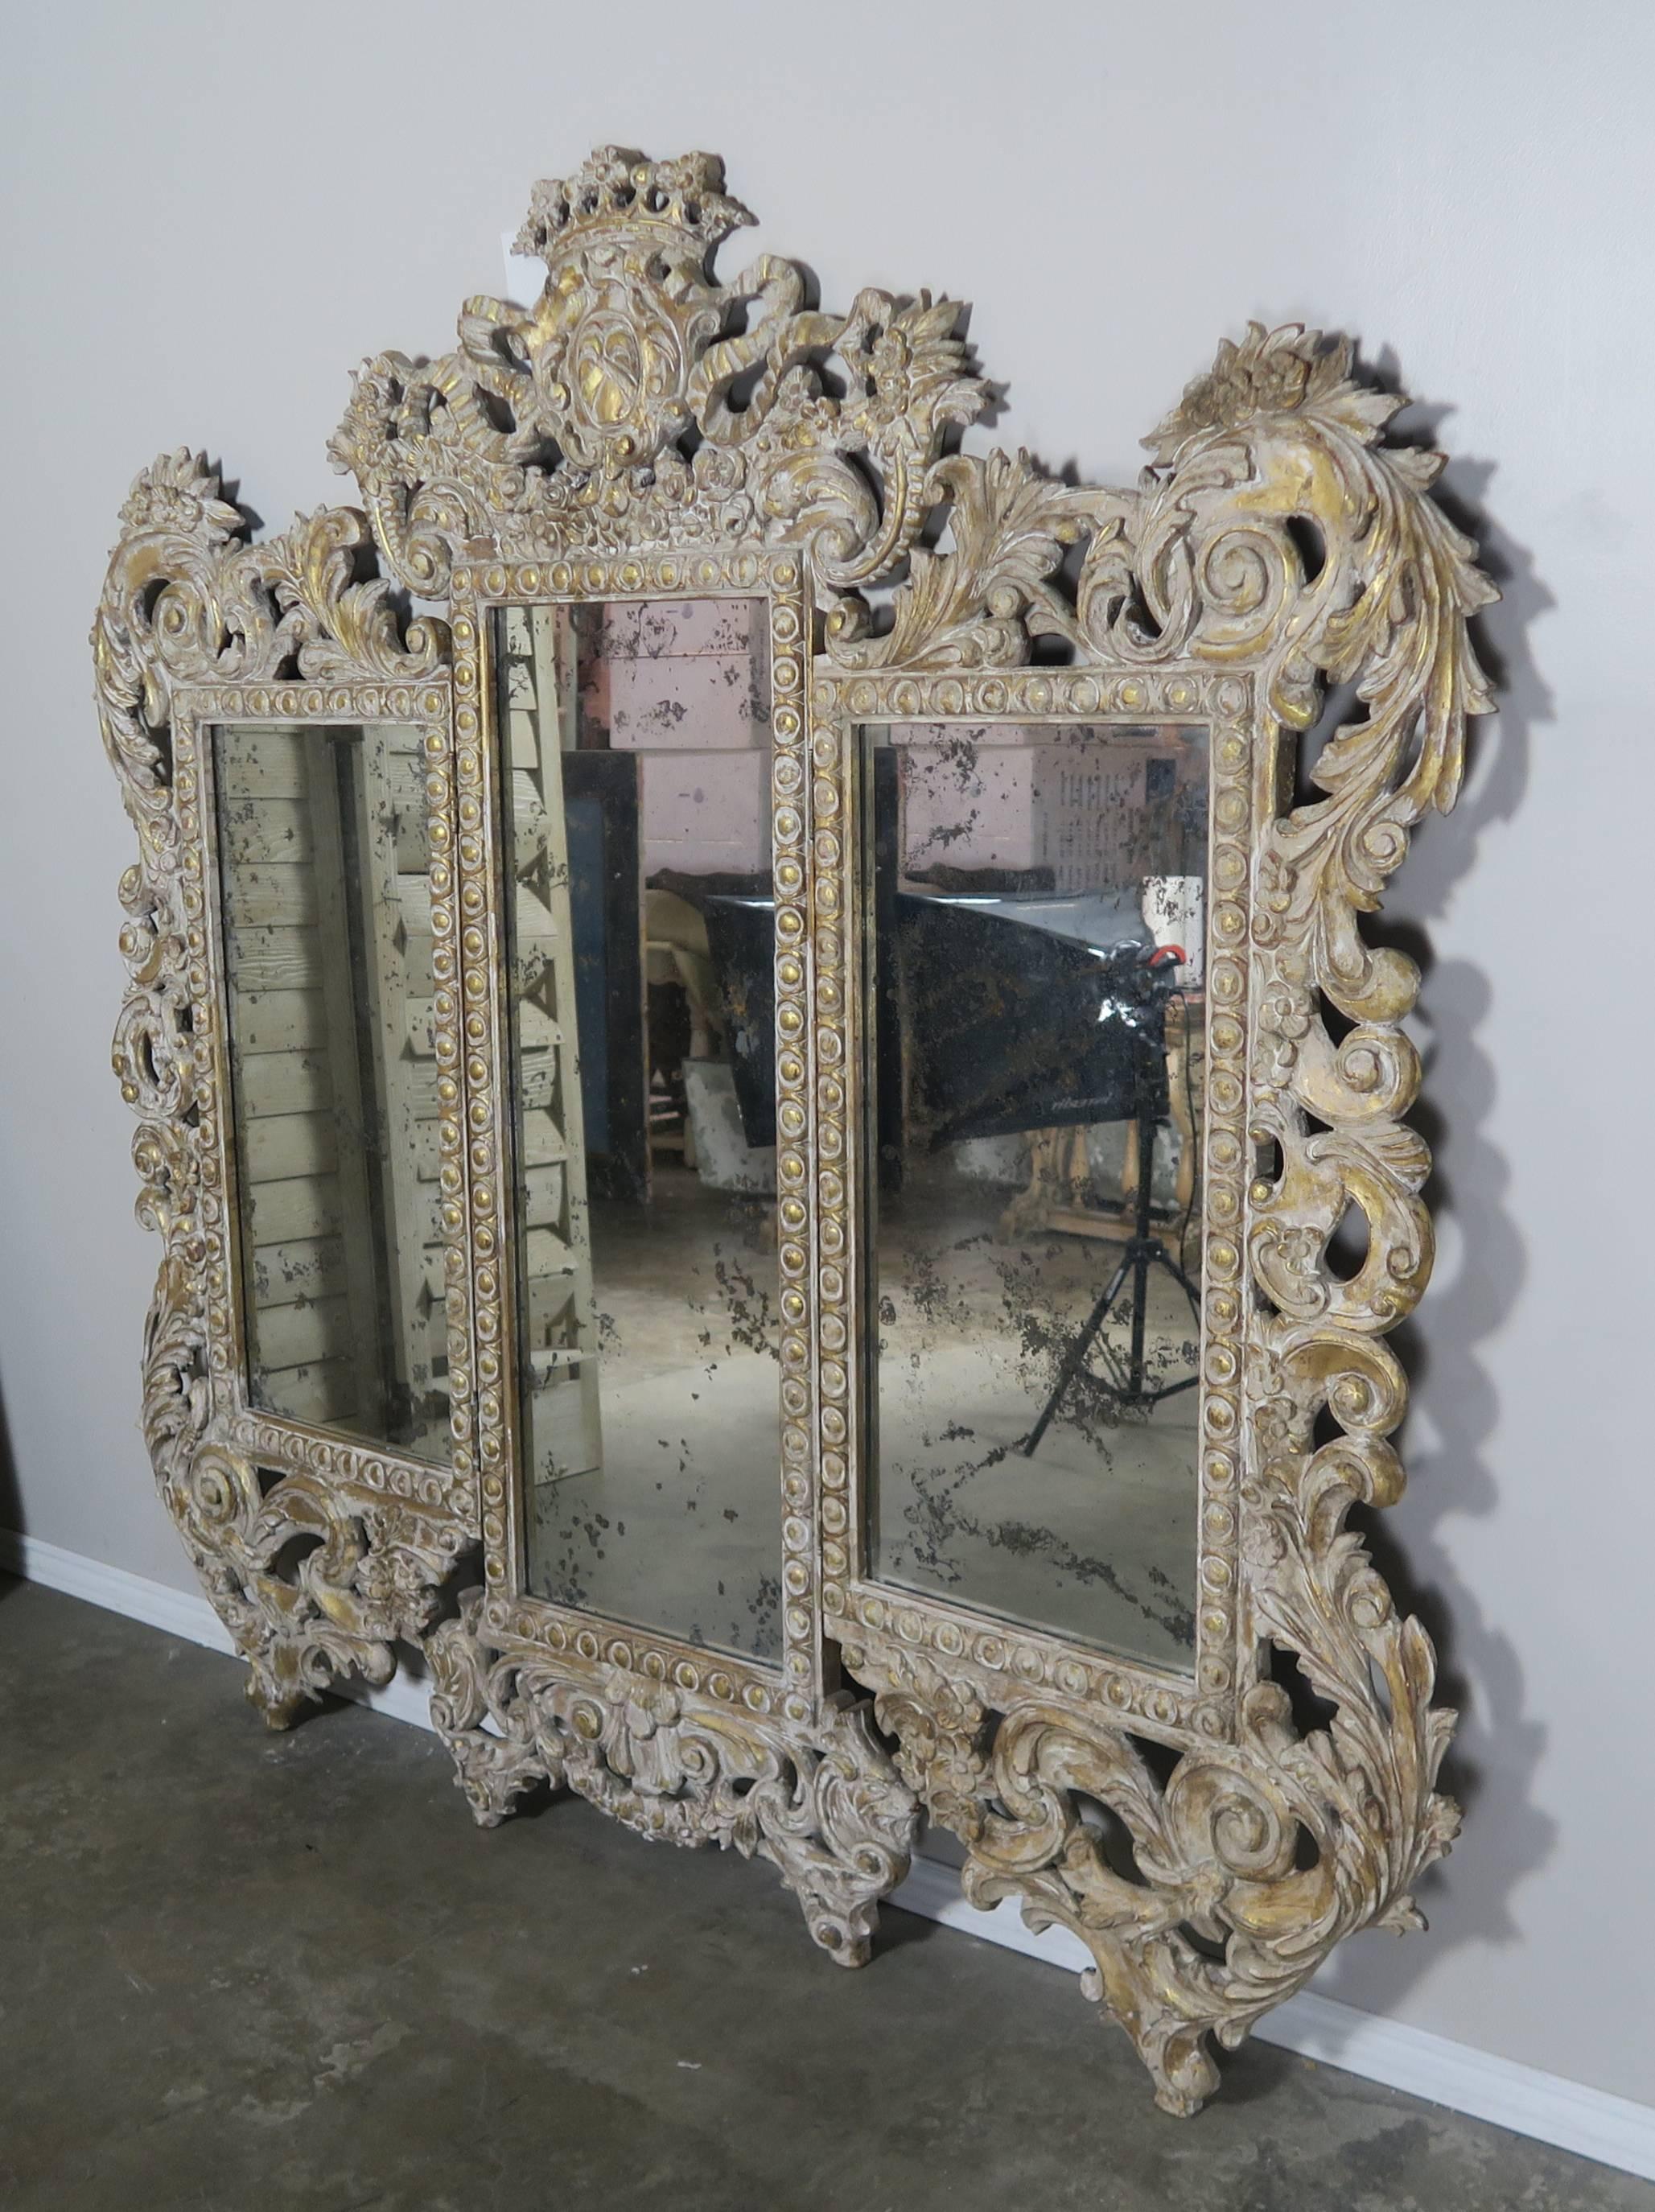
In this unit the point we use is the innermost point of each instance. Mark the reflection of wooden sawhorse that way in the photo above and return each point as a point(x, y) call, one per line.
point(1059, 1194)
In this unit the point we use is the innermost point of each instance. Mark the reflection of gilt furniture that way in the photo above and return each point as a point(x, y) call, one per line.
point(652, 427)
point(1061, 1183)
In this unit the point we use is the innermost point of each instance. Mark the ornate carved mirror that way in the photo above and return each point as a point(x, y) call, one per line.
point(751, 1045)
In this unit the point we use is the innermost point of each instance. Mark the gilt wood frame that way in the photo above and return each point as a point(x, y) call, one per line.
point(197, 627)
point(593, 446)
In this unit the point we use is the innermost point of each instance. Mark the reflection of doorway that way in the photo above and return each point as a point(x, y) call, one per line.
point(606, 906)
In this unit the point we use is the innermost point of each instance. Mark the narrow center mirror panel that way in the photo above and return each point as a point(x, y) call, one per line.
point(325, 907)
point(636, 833)
point(1036, 1019)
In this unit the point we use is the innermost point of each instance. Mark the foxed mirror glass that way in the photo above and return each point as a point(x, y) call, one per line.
point(781, 972)
point(325, 921)
point(635, 791)
point(1036, 902)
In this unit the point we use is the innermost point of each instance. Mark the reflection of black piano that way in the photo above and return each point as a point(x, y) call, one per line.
point(1014, 1018)
point(1010, 1012)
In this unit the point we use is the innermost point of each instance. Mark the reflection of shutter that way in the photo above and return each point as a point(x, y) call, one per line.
point(391, 859)
point(303, 1200)
point(328, 957)
point(559, 1328)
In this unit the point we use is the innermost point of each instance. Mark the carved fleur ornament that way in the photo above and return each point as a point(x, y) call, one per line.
point(648, 429)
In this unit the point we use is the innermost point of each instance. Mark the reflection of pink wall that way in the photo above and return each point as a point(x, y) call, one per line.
point(970, 810)
point(644, 630)
point(685, 683)
point(686, 701)
point(1010, 796)
point(706, 813)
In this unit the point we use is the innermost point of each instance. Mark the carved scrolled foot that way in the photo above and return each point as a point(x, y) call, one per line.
point(278, 1707)
point(492, 1774)
point(491, 1766)
point(1172, 2048)
point(290, 1664)
point(841, 1837)
point(844, 1932)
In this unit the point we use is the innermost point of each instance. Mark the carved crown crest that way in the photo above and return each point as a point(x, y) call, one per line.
point(613, 185)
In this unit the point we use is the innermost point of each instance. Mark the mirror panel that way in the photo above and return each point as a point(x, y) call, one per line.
point(325, 910)
point(1036, 1014)
point(636, 830)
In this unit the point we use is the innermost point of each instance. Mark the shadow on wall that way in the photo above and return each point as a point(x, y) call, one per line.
point(1490, 1764)
point(11, 1503)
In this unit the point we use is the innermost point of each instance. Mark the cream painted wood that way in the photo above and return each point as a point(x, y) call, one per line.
point(595, 448)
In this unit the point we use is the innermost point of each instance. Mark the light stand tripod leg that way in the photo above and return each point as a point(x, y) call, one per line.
point(1143, 1250)
point(1077, 1355)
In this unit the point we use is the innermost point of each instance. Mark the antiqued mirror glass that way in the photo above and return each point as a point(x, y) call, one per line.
point(932, 848)
point(325, 910)
point(636, 801)
point(1035, 1014)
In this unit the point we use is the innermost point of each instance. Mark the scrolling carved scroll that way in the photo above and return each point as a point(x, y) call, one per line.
point(646, 430)
point(317, 1556)
point(1258, 1852)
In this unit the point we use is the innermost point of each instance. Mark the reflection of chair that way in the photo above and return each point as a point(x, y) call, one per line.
point(675, 939)
point(676, 955)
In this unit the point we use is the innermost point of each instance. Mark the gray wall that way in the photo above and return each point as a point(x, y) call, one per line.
point(215, 212)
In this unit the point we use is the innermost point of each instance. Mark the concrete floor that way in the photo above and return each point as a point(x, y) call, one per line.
point(240, 1972)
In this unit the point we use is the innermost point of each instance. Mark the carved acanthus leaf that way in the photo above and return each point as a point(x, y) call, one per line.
point(1275, 546)
point(823, 1804)
point(608, 412)
point(188, 601)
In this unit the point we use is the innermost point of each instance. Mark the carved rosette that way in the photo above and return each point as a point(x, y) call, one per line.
point(195, 621)
point(645, 427)
point(821, 1804)
point(1275, 538)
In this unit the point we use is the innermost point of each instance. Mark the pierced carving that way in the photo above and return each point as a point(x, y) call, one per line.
point(830, 1810)
point(317, 1566)
point(1277, 538)
point(821, 1805)
point(607, 415)
point(646, 427)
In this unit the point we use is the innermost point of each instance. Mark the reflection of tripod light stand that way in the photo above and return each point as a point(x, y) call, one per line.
point(1143, 1250)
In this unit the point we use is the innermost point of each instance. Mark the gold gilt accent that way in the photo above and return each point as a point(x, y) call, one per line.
point(644, 429)
point(318, 1555)
point(1258, 1853)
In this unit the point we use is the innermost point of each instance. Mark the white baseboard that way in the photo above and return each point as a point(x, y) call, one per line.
point(184, 1614)
point(1613, 2131)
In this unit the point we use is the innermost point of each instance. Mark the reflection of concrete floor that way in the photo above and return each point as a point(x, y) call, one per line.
point(1094, 1534)
point(680, 1529)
